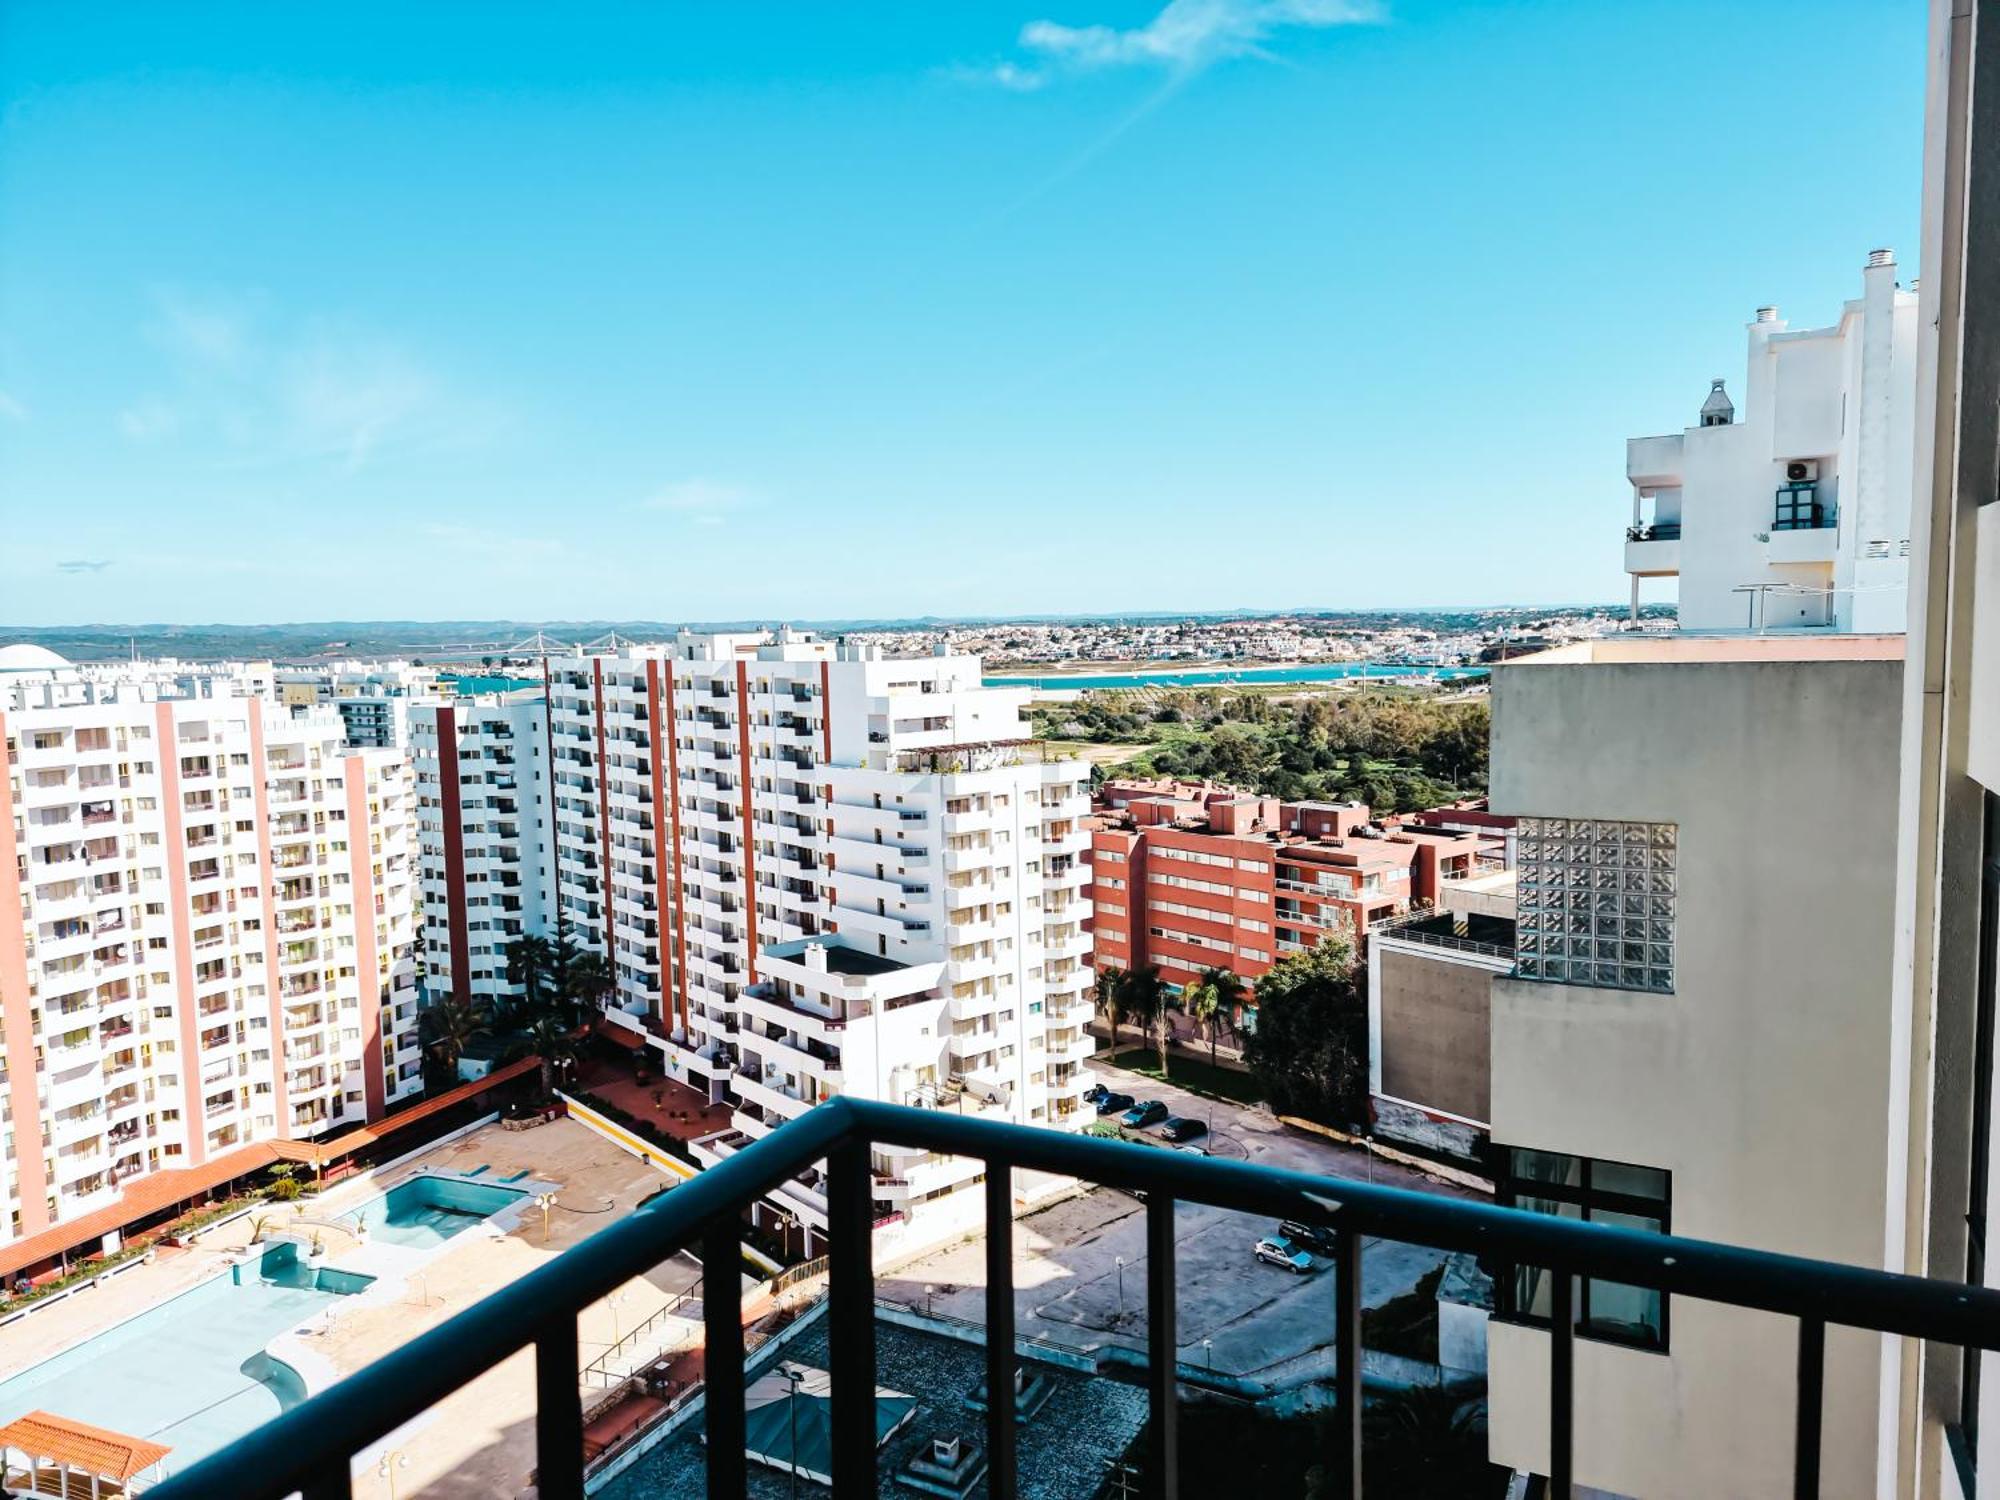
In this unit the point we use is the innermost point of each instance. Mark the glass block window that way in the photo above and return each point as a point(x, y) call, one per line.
point(1596, 903)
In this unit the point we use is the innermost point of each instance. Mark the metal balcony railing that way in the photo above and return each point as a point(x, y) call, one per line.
point(310, 1448)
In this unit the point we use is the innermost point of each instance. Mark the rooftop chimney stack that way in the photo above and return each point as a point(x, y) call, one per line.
point(1718, 410)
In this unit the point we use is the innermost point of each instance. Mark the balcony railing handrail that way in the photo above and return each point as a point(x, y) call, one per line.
point(310, 1447)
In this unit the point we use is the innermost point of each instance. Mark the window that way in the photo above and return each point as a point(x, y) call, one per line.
point(1982, 1112)
point(1599, 1192)
point(1596, 903)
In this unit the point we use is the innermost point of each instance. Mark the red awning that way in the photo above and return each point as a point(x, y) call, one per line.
point(612, 1032)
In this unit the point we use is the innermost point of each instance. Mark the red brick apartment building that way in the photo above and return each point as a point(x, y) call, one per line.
point(1190, 875)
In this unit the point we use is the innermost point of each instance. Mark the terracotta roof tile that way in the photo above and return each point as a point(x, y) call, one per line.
point(95, 1450)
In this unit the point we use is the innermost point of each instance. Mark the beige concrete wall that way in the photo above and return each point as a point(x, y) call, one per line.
point(1435, 1037)
point(1761, 1083)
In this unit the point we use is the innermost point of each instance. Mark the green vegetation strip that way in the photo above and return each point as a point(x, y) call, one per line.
point(1196, 1075)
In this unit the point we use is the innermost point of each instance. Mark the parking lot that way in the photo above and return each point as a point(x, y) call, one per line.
point(1257, 1320)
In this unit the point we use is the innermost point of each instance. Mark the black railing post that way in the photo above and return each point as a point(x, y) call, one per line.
point(1163, 1404)
point(1347, 1369)
point(1000, 1432)
point(1562, 1382)
point(558, 1413)
point(722, 1358)
point(850, 1214)
point(1812, 1380)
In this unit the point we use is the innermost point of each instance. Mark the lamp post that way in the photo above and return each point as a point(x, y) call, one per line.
point(392, 1460)
point(545, 1202)
point(1121, 1287)
point(794, 1374)
point(929, 1293)
point(1208, 1355)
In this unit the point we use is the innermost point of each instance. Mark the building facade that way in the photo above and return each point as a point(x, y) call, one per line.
point(1696, 1034)
point(485, 838)
point(724, 797)
point(1794, 515)
point(1190, 876)
point(209, 937)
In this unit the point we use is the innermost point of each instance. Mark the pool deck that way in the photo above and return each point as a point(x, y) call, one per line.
point(480, 1440)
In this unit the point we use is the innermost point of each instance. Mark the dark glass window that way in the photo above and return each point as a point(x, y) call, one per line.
point(1982, 1106)
point(1798, 509)
point(1597, 1192)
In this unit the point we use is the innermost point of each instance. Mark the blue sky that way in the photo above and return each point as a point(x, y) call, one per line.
point(584, 311)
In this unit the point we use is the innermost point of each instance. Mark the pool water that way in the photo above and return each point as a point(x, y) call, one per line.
point(427, 1211)
point(191, 1372)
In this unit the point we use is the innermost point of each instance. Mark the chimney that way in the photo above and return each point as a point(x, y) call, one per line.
point(1718, 410)
point(1767, 315)
point(1881, 257)
point(814, 957)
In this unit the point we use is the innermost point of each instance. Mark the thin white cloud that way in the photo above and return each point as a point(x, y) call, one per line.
point(11, 408)
point(1185, 37)
point(704, 502)
point(267, 390)
point(83, 565)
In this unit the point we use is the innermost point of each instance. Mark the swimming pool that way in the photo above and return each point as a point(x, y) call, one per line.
point(427, 1211)
point(192, 1372)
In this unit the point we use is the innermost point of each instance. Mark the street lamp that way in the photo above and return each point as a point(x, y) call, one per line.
point(1121, 1287)
point(929, 1293)
point(392, 1460)
point(794, 1374)
point(545, 1202)
point(1208, 1355)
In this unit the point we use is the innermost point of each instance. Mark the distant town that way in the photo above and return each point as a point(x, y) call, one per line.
point(1439, 637)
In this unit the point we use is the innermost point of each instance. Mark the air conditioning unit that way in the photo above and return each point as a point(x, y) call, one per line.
point(1802, 471)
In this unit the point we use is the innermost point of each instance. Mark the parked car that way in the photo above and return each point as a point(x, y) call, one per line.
point(1139, 1116)
point(1179, 1128)
point(1094, 1093)
point(1316, 1237)
point(1111, 1104)
point(1275, 1250)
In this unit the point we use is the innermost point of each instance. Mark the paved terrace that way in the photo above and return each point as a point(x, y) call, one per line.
point(480, 1442)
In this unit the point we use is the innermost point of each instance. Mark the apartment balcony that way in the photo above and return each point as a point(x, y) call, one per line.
point(1653, 550)
point(314, 1446)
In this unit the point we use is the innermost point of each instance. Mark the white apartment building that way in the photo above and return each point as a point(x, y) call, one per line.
point(214, 944)
point(1797, 515)
point(727, 796)
point(486, 841)
point(373, 698)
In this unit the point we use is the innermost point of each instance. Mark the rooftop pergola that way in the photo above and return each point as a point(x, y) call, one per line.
point(73, 1459)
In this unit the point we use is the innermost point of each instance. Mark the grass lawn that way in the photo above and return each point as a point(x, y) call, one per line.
point(1195, 1074)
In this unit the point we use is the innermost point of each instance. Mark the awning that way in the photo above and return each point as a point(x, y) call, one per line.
point(794, 1404)
point(45, 1437)
point(620, 1036)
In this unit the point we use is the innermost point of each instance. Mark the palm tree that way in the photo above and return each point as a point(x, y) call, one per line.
point(447, 1027)
point(555, 1047)
point(587, 982)
point(1211, 999)
point(1144, 998)
point(531, 965)
point(1110, 997)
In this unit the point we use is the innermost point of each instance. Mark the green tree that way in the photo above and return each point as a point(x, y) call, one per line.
point(446, 1028)
point(1143, 997)
point(531, 964)
point(587, 982)
point(1310, 1048)
point(1210, 1000)
point(1110, 998)
point(555, 1047)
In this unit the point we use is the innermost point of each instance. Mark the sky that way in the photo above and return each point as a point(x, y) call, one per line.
point(359, 311)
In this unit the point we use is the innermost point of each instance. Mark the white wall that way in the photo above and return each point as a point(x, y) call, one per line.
point(1760, 1083)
